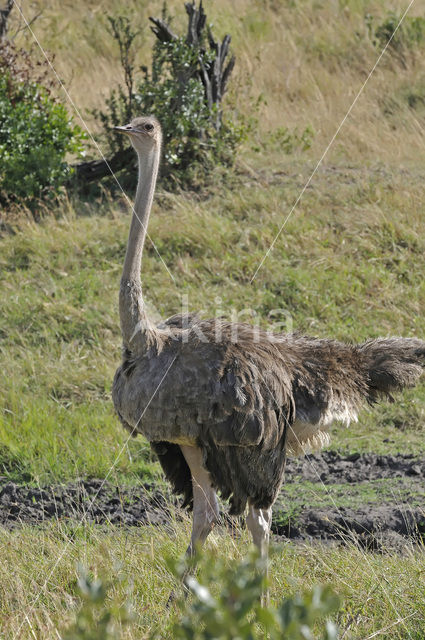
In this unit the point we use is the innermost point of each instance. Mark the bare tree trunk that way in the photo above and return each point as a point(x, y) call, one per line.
point(215, 76)
point(97, 169)
point(4, 16)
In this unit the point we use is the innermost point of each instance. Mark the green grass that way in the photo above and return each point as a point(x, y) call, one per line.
point(354, 495)
point(349, 264)
point(39, 595)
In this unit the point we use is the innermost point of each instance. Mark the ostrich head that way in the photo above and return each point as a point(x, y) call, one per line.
point(144, 133)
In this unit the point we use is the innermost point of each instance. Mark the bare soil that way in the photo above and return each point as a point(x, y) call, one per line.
point(396, 515)
point(375, 524)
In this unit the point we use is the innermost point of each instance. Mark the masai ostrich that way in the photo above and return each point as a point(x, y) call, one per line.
point(221, 403)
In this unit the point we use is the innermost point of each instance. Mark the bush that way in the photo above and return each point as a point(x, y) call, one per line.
point(189, 124)
point(236, 612)
point(35, 132)
point(410, 33)
point(286, 141)
point(197, 137)
point(96, 618)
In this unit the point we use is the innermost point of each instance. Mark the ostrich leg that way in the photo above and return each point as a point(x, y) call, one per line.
point(259, 522)
point(205, 505)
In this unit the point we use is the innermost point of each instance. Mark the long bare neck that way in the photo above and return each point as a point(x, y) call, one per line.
point(137, 332)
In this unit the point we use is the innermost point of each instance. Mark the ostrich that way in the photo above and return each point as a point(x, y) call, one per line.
point(222, 403)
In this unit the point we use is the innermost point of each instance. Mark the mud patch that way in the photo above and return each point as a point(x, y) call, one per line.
point(376, 527)
point(92, 500)
point(330, 467)
point(377, 501)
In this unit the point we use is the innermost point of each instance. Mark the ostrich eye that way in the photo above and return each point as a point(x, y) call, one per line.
point(148, 127)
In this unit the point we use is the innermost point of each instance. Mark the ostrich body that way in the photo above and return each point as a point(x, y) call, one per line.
point(222, 403)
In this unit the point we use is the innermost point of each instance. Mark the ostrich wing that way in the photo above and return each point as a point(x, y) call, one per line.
point(231, 399)
point(180, 321)
point(198, 387)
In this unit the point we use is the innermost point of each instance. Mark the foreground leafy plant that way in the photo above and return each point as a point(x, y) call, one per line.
point(96, 618)
point(236, 611)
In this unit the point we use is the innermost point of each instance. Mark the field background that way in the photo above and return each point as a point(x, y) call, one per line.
point(348, 264)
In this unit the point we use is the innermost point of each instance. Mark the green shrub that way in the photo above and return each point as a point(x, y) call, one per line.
point(197, 136)
point(35, 133)
point(187, 120)
point(236, 612)
point(409, 35)
point(96, 619)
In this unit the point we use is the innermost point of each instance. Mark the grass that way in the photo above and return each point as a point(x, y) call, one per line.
point(327, 48)
point(376, 596)
point(349, 263)
point(351, 270)
point(354, 496)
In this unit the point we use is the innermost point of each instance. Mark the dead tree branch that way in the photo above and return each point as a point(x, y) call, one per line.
point(4, 16)
point(214, 76)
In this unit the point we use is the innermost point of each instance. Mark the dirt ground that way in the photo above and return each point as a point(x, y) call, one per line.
point(387, 519)
point(375, 500)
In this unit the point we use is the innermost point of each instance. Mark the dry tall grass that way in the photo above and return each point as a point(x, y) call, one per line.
point(39, 568)
point(307, 59)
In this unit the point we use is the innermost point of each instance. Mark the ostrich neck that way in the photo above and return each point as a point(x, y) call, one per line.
point(137, 332)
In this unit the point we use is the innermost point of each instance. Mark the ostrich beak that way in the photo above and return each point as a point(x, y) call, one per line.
point(126, 129)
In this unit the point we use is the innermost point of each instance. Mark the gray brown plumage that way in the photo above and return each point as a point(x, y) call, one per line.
point(222, 403)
